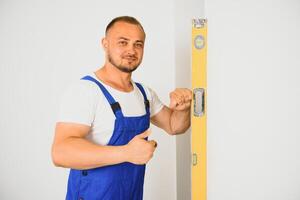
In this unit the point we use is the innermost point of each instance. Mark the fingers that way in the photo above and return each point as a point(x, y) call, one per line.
point(185, 94)
point(144, 134)
point(180, 96)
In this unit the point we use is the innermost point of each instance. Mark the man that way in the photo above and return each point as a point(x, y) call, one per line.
point(102, 130)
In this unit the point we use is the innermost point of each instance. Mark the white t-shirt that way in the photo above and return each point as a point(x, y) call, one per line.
point(84, 103)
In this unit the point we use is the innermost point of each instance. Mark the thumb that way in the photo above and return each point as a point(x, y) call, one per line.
point(144, 134)
point(173, 103)
point(153, 142)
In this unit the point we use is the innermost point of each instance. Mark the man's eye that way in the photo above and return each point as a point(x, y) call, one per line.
point(123, 43)
point(139, 45)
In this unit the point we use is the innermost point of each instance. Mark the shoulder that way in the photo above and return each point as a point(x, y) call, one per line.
point(82, 91)
point(82, 87)
point(79, 102)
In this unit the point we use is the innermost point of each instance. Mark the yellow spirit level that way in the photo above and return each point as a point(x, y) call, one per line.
point(199, 49)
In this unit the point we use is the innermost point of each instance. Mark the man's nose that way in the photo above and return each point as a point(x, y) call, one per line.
point(131, 49)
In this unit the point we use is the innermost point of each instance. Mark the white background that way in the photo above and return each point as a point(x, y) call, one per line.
point(253, 99)
point(253, 91)
point(44, 47)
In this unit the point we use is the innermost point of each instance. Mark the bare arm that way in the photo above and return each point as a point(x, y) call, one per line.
point(176, 118)
point(70, 149)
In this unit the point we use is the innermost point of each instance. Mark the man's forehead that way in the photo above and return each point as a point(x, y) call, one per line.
point(125, 29)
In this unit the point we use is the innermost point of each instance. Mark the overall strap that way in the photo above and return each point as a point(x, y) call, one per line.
point(115, 106)
point(146, 101)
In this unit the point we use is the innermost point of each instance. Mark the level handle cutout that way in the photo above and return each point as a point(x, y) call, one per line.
point(199, 101)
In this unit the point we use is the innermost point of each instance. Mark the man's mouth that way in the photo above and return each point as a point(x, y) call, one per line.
point(130, 58)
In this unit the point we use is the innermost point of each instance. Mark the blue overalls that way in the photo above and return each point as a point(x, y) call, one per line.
point(115, 182)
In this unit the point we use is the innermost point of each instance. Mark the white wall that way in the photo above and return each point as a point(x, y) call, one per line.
point(184, 12)
point(253, 99)
point(44, 47)
point(253, 91)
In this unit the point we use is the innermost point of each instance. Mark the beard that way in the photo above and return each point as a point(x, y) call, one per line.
point(123, 68)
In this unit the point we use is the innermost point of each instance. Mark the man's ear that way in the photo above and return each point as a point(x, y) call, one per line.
point(104, 43)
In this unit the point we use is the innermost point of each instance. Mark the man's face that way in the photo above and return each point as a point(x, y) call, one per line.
point(124, 46)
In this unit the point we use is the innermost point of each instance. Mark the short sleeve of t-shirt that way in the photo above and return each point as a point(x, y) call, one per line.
point(79, 103)
point(155, 103)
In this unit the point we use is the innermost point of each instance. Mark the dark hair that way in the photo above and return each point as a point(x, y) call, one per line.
point(128, 19)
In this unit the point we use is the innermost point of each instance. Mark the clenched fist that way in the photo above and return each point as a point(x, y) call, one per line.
point(139, 150)
point(180, 99)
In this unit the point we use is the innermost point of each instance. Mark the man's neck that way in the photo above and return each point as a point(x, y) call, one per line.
point(115, 78)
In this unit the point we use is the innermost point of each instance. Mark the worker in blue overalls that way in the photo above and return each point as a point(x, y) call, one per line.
point(102, 129)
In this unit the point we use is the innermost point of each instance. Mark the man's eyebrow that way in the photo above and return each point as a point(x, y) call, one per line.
point(123, 38)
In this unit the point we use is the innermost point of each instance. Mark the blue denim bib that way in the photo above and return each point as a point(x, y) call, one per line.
point(115, 182)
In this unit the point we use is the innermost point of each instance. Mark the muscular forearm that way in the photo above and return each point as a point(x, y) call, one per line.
point(180, 121)
point(78, 153)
